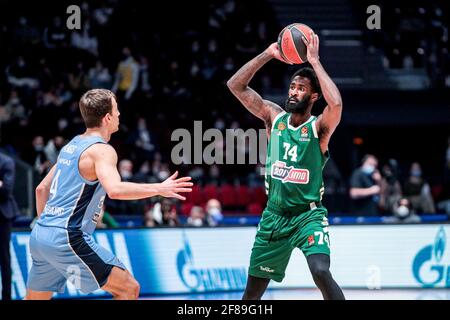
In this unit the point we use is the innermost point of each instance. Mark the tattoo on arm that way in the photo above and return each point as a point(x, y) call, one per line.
point(238, 84)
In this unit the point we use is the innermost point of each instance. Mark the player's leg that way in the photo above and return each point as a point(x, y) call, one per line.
point(38, 295)
point(319, 265)
point(270, 255)
point(255, 288)
point(100, 268)
point(43, 279)
point(122, 285)
point(314, 241)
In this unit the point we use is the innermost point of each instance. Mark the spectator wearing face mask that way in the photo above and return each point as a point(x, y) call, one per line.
point(403, 213)
point(169, 213)
point(37, 157)
point(365, 187)
point(391, 190)
point(53, 148)
point(197, 217)
point(417, 191)
point(163, 213)
point(214, 214)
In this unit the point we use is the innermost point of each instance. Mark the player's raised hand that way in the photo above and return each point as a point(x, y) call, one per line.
point(275, 52)
point(312, 51)
point(170, 187)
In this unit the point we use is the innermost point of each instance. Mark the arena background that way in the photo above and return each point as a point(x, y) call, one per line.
point(395, 86)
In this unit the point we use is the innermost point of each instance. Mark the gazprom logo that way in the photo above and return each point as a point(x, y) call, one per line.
point(207, 279)
point(428, 267)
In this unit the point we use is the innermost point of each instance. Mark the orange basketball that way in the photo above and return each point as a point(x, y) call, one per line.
point(290, 43)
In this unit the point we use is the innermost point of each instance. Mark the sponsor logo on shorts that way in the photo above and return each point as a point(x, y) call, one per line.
point(289, 174)
point(310, 240)
point(266, 269)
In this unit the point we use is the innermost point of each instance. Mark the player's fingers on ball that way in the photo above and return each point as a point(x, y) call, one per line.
point(305, 41)
point(314, 37)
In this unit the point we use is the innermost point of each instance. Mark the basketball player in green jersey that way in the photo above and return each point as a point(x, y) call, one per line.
point(297, 152)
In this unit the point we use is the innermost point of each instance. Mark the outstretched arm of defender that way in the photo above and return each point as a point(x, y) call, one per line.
point(105, 158)
point(238, 85)
point(331, 116)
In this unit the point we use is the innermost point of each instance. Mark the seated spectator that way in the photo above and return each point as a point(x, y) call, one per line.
point(53, 148)
point(417, 191)
point(169, 213)
point(78, 79)
point(14, 107)
point(37, 157)
point(56, 35)
point(391, 190)
point(214, 214)
point(143, 175)
point(153, 216)
point(197, 217)
point(99, 76)
point(85, 38)
point(25, 34)
point(163, 213)
point(402, 211)
point(364, 187)
point(19, 74)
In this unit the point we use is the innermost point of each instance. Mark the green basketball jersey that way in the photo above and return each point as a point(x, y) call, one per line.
point(294, 164)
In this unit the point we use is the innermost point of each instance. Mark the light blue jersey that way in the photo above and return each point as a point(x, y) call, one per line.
point(61, 244)
point(74, 203)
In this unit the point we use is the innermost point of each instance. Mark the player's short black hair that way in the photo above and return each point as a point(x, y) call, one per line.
point(309, 73)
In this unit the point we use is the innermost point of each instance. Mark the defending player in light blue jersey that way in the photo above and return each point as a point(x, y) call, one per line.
point(69, 201)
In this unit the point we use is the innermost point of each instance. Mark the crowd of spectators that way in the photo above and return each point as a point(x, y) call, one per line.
point(382, 192)
point(413, 35)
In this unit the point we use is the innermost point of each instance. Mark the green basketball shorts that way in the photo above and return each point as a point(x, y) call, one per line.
point(280, 232)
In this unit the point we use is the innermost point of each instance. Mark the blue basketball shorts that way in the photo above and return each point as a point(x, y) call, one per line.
point(59, 255)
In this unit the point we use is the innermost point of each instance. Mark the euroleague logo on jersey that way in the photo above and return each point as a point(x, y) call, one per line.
point(304, 132)
point(289, 174)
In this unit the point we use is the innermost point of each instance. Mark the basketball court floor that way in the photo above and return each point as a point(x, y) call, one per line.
point(314, 294)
